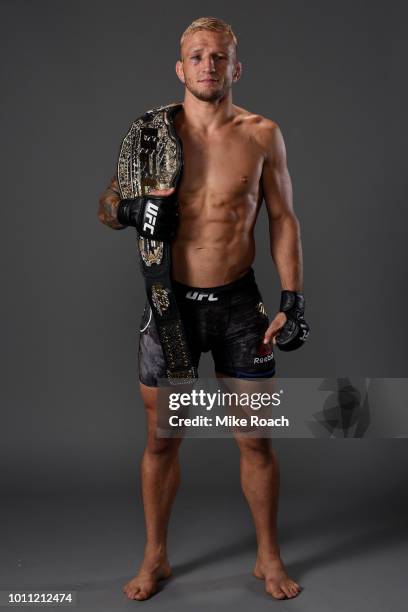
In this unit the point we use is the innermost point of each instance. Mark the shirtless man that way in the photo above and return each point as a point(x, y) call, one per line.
point(233, 161)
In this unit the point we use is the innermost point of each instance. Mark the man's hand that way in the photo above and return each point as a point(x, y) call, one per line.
point(162, 192)
point(273, 329)
point(110, 200)
point(295, 331)
point(289, 329)
point(154, 215)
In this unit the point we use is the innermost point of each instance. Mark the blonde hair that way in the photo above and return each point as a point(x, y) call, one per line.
point(209, 23)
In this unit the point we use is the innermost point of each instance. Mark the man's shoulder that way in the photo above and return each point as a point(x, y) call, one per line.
point(261, 128)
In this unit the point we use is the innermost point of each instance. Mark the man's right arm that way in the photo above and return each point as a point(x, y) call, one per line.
point(108, 205)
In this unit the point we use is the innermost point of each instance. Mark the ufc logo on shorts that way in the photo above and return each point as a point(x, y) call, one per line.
point(151, 216)
point(196, 295)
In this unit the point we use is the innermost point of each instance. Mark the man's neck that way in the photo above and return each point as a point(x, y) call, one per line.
point(207, 116)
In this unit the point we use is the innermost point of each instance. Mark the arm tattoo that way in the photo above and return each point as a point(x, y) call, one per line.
point(108, 205)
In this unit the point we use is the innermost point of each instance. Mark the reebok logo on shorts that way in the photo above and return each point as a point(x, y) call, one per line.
point(265, 353)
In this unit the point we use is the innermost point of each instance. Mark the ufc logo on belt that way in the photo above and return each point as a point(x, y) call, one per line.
point(150, 216)
point(196, 295)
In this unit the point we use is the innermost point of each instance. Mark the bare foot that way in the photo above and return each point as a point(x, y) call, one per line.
point(144, 584)
point(277, 582)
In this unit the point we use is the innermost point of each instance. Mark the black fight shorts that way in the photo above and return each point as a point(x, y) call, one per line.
point(229, 320)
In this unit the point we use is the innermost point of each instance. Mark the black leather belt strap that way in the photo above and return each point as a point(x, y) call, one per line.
point(151, 158)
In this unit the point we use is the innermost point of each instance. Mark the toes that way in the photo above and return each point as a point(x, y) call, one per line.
point(278, 594)
point(291, 589)
point(141, 595)
point(130, 591)
point(286, 590)
point(275, 591)
point(294, 588)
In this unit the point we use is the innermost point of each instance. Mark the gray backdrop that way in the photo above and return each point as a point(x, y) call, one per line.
point(75, 75)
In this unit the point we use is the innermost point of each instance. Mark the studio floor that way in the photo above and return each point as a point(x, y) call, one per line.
point(346, 554)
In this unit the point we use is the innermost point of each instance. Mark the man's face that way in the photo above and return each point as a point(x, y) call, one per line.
point(208, 64)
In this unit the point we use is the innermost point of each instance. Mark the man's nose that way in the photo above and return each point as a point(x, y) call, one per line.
point(209, 63)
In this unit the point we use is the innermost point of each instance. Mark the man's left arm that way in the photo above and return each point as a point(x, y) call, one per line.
point(284, 229)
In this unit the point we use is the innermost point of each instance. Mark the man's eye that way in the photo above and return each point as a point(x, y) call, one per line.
point(195, 57)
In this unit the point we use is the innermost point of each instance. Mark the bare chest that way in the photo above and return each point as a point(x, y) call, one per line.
point(227, 167)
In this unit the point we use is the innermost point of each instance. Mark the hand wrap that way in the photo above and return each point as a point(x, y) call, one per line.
point(154, 216)
point(295, 331)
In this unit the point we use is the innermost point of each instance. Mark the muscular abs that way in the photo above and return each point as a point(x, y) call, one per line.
point(219, 197)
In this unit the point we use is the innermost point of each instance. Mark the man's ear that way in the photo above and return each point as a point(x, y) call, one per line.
point(237, 71)
point(180, 71)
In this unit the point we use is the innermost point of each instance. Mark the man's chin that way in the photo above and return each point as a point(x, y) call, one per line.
point(207, 96)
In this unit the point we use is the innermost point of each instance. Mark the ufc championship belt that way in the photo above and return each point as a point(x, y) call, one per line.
point(151, 158)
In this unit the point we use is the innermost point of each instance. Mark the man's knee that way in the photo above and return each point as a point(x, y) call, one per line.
point(161, 447)
point(149, 396)
point(258, 449)
point(155, 445)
